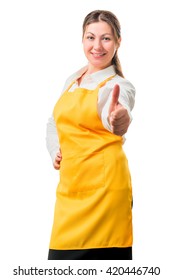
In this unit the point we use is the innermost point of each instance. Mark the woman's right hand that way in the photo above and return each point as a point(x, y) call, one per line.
point(57, 161)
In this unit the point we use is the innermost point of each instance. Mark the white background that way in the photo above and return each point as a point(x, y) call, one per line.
point(40, 47)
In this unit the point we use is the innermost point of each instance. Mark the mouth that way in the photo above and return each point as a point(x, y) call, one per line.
point(98, 54)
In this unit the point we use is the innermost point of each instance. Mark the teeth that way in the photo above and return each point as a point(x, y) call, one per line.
point(98, 54)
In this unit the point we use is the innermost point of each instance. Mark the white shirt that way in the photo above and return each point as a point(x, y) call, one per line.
point(91, 81)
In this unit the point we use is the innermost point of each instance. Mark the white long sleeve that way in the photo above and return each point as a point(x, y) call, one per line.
point(126, 98)
point(52, 140)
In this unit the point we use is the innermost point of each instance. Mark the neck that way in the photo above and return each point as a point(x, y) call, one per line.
point(81, 77)
point(92, 69)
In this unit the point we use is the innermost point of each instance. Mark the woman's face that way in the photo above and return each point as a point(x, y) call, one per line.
point(99, 45)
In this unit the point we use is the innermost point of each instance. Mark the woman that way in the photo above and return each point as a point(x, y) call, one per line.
point(93, 218)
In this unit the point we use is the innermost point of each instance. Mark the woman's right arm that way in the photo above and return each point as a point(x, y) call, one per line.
point(52, 142)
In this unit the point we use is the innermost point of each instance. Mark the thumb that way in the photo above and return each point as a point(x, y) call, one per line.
point(115, 96)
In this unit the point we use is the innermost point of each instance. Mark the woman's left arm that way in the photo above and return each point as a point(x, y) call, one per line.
point(116, 113)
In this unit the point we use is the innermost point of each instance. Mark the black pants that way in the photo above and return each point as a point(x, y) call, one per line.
point(92, 254)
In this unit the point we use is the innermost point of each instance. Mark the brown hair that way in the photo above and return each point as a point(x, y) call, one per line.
point(111, 19)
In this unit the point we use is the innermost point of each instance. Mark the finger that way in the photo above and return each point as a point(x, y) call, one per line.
point(116, 115)
point(59, 154)
point(119, 115)
point(115, 96)
point(118, 127)
point(120, 124)
point(59, 157)
point(56, 166)
point(119, 132)
point(57, 161)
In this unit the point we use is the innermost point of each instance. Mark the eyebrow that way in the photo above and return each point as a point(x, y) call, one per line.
point(101, 35)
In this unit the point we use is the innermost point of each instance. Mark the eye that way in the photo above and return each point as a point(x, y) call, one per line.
point(90, 38)
point(106, 39)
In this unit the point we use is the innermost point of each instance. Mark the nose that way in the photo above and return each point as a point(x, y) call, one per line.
point(97, 44)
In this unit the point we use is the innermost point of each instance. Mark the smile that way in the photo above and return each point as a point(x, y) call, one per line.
point(98, 54)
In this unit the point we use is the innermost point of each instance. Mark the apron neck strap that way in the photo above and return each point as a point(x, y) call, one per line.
point(105, 81)
point(70, 85)
point(99, 85)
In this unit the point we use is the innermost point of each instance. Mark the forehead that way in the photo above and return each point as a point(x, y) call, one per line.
point(99, 28)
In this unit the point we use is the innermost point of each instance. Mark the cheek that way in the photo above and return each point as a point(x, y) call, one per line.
point(111, 47)
point(86, 46)
point(84, 49)
point(111, 50)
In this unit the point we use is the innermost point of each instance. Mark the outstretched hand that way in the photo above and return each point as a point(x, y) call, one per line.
point(118, 117)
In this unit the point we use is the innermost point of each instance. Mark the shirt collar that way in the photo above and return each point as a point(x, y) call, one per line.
point(98, 76)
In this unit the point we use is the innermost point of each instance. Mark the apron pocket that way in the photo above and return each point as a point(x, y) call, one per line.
point(82, 173)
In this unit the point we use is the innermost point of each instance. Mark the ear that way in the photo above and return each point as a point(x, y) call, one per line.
point(119, 42)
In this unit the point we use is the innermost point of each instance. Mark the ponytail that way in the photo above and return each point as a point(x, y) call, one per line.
point(117, 65)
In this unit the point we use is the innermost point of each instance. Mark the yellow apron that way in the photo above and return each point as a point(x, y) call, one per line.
point(94, 195)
